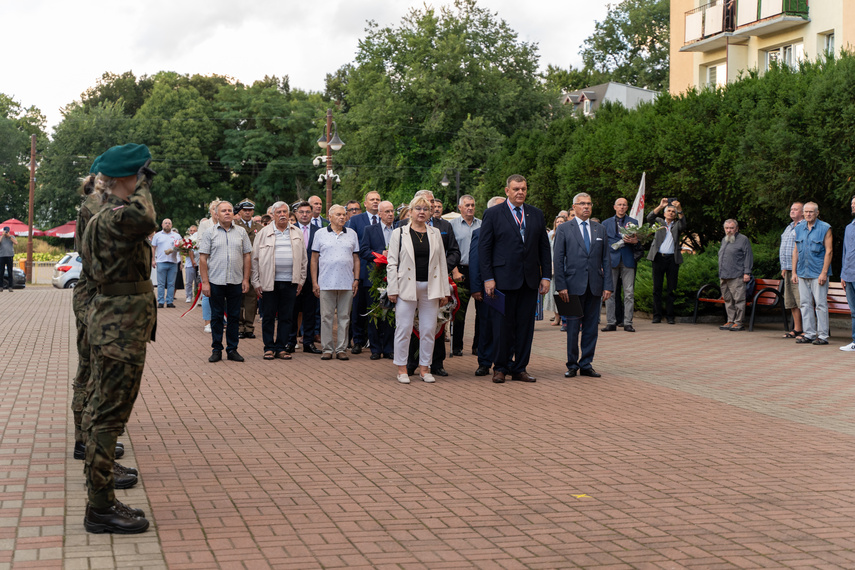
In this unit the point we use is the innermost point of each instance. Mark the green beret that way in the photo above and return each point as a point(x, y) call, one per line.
point(95, 164)
point(124, 160)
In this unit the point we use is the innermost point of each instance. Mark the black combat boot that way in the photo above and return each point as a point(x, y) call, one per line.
point(124, 481)
point(116, 519)
point(138, 513)
point(120, 469)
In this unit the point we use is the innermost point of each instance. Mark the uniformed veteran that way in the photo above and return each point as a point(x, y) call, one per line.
point(121, 320)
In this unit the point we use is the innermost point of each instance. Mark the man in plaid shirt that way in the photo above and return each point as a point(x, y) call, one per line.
point(785, 254)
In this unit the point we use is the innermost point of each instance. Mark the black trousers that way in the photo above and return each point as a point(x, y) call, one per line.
point(664, 268)
point(308, 304)
point(359, 323)
point(517, 330)
point(277, 305)
point(6, 265)
point(225, 299)
point(460, 320)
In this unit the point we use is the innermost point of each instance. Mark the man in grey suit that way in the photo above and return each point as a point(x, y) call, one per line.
point(582, 268)
point(665, 254)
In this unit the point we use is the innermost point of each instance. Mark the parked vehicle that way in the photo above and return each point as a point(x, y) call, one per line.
point(19, 279)
point(67, 271)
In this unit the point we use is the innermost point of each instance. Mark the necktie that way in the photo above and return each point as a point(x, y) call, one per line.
point(585, 235)
point(521, 222)
point(373, 220)
point(316, 222)
point(306, 234)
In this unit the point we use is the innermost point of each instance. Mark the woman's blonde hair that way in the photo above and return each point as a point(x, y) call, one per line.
point(104, 185)
point(420, 201)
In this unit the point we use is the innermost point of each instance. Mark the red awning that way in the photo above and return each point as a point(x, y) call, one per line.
point(66, 230)
point(19, 228)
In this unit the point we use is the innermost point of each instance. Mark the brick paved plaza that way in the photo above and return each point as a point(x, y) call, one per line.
point(697, 448)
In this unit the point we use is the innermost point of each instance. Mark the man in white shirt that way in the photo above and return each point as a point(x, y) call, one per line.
point(164, 256)
point(463, 228)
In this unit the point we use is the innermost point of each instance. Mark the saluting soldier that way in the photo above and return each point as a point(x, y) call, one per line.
point(122, 318)
point(81, 296)
point(249, 305)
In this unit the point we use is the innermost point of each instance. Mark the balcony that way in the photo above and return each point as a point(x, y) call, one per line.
point(709, 27)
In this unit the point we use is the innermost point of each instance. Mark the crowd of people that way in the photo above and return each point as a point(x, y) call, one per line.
point(307, 276)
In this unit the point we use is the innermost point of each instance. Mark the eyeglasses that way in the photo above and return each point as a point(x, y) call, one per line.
point(421, 209)
point(353, 209)
point(583, 204)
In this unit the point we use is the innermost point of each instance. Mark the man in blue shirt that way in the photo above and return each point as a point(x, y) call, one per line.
point(811, 268)
point(847, 274)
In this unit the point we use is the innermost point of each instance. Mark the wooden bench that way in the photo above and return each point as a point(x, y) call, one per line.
point(837, 302)
point(767, 293)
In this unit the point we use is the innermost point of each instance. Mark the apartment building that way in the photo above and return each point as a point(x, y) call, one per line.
point(712, 42)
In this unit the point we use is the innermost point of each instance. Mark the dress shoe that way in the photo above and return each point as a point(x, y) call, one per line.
point(456, 353)
point(571, 373)
point(671, 321)
point(482, 371)
point(121, 469)
point(241, 335)
point(116, 519)
point(327, 356)
point(311, 349)
point(170, 305)
point(389, 356)
point(609, 328)
point(290, 348)
point(216, 356)
point(439, 372)
point(376, 356)
point(726, 326)
point(235, 356)
point(628, 328)
point(523, 377)
point(498, 377)
point(656, 320)
point(589, 372)
point(342, 356)
point(357, 348)
point(125, 481)
point(248, 335)
point(160, 305)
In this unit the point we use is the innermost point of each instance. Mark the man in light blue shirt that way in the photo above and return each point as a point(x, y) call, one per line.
point(165, 260)
point(463, 228)
point(847, 274)
point(811, 268)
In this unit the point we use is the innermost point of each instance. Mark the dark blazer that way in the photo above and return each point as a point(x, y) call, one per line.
point(358, 223)
point(476, 284)
point(372, 241)
point(577, 269)
point(625, 253)
point(503, 255)
point(679, 227)
point(312, 231)
point(449, 242)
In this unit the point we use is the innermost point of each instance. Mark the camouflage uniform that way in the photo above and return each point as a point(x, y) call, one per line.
point(121, 317)
point(249, 306)
point(83, 293)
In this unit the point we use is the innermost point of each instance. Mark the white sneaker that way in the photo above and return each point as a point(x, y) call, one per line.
point(848, 348)
point(207, 328)
point(188, 300)
point(403, 379)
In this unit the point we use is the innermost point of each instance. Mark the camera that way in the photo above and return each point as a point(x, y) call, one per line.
point(672, 200)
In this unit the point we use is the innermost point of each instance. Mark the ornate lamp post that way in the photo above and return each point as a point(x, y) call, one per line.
point(330, 143)
point(445, 182)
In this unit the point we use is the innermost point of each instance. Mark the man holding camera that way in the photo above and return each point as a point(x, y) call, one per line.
point(665, 254)
point(8, 241)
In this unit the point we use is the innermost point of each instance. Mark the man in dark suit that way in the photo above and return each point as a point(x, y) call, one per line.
point(317, 219)
point(666, 255)
point(582, 268)
point(306, 302)
point(375, 239)
point(452, 258)
point(358, 223)
point(514, 258)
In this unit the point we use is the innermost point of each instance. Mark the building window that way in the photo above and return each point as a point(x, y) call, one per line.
point(789, 55)
point(829, 44)
point(717, 75)
point(586, 107)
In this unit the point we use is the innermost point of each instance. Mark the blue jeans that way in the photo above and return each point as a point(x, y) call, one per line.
point(225, 299)
point(850, 298)
point(206, 308)
point(167, 272)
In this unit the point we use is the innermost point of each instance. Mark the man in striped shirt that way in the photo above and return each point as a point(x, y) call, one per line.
point(224, 261)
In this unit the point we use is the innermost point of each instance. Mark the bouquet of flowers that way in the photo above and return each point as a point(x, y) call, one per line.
point(186, 246)
point(643, 233)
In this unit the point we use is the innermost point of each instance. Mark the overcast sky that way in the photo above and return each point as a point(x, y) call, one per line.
point(51, 51)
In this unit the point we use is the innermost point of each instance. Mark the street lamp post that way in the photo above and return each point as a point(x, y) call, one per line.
point(445, 182)
point(330, 143)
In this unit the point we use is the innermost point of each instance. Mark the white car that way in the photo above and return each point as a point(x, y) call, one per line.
point(67, 271)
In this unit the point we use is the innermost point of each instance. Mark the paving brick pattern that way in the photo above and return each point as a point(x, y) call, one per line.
point(697, 449)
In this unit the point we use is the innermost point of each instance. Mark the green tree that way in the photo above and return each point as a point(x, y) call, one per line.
point(125, 88)
point(17, 124)
point(557, 80)
point(632, 44)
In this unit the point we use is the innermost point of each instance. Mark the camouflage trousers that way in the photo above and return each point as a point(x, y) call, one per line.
point(78, 385)
point(116, 376)
point(248, 310)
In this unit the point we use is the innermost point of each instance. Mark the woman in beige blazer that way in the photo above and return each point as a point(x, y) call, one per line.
point(417, 278)
point(279, 264)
